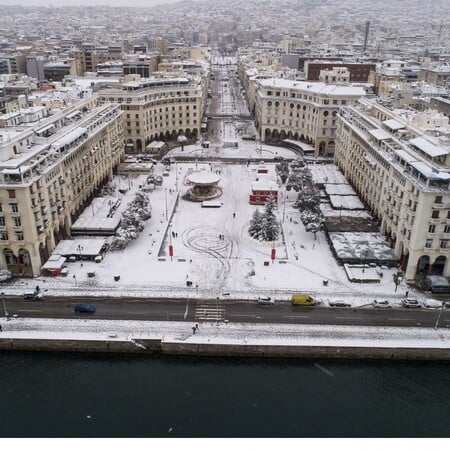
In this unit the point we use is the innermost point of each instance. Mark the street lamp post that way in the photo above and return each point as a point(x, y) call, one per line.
point(436, 325)
point(80, 248)
point(165, 197)
point(4, 305)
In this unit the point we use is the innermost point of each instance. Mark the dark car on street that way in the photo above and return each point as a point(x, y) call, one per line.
point(84, 308)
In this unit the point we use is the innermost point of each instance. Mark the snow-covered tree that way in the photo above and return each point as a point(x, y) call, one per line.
point(283, 170)
point(256, 225)
point(309, 199)
point(265, 226)
point(308, 202)
point(312, 221)
point(133, 220)
point(271, 227)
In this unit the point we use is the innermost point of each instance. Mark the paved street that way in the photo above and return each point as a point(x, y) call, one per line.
point(229, 310)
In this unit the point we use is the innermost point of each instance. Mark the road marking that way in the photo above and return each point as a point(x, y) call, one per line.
point(208, 312)
point(394, 318)
point(300, 317)
point(28, 310)
point(243, 315)
point(187, 309)
point(348, 317)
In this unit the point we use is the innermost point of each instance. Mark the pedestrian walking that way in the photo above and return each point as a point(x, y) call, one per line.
point(406, 294)
point(193, 330)
point(234, 215)
point(1, 329)
point(196, 327)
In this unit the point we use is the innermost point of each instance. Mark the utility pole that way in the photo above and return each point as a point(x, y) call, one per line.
point(4, 305)
point(436, 325)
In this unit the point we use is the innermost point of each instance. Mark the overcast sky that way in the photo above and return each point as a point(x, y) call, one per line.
point(85, 2)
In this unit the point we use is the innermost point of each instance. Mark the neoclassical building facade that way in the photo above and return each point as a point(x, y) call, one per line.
point(49, 170)
point(158, 109)
point(288, 109)
point(402, 174)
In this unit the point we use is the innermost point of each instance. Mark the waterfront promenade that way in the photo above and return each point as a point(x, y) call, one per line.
point(234, 339)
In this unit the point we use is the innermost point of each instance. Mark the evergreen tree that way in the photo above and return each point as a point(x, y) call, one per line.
point(271, 228)
point(265, 226)
point(256, 225)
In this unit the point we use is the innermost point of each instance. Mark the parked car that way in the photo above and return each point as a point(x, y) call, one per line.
point(411, 303)
point(32, 295)
point(264, 300)
point(436, 284)
point(431, 303)
point(84, 308)
point(381, 304)
point(339, 303)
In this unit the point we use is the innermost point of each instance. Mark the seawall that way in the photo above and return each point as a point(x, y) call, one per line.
point(220, 339)
point(158, 347)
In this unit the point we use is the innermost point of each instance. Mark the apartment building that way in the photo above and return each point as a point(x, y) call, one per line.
point(288, 109)
point(402, 174)
point(439, 75)
point(359, 72)
point(158, 109)
point(50, 168)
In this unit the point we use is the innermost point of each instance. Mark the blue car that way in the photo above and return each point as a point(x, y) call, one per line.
point(83, 308)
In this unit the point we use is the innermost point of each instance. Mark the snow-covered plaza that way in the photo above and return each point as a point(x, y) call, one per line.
point(213, 253)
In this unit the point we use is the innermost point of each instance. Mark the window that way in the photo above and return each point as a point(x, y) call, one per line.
point(2, 221)
point(11, 193)
point(438, 199)
point(19, 236)
point(14, 207)
point(447, 229)
point(429, 243)
point(17, 222)
point(435, 214)
point(432, 229)
point(445, 243)
point(3, 236)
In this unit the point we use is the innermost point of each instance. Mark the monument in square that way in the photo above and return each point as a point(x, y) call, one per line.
point(205, 186)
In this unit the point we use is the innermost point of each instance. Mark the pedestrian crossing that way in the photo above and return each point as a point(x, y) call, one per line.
point(209, 312)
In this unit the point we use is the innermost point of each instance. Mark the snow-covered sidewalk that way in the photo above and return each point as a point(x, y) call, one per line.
point(243, 334)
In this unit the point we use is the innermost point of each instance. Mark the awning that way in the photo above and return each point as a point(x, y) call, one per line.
point(427, 147)
point(55, 262)
point(393, 125)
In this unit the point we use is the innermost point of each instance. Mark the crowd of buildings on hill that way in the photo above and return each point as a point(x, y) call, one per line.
point(71, 108)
